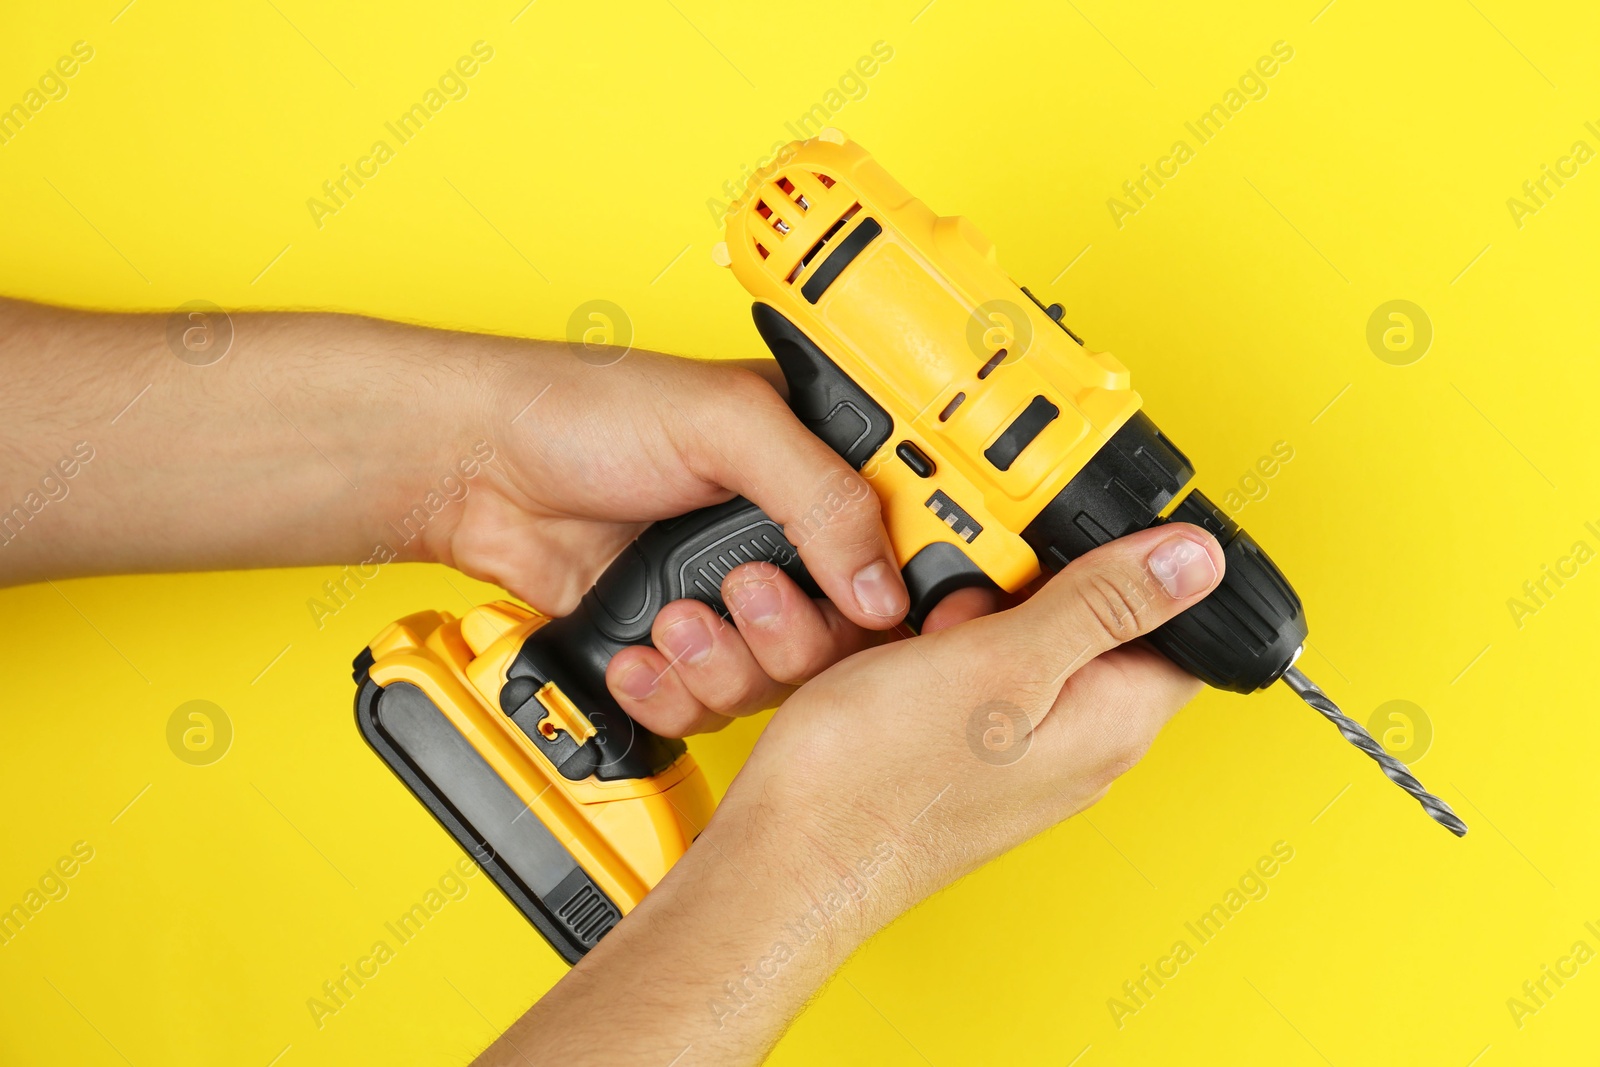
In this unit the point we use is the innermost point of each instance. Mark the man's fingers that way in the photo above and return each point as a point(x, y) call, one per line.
point(645, 685)
point(701, 672)
point(712, 660)
point(1120, 591)
point(827, 510)
point(792, 637)
point(1108, 714)
point(961, 606)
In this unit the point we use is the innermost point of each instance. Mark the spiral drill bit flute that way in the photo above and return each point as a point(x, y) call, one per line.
point(1357, 735)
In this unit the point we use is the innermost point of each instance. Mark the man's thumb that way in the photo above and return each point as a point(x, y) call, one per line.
point(1123, 590)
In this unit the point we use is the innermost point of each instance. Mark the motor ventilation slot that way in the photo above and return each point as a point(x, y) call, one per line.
point(776, 223)
point(799, 198)
point(822, 242)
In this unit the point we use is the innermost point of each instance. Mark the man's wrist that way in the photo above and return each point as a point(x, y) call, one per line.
point(729, 946)
point(460, 388)
point(820, 884)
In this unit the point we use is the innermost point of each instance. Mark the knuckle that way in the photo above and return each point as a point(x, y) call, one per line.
point(753, 397)
point(790, 665)
point(1124, 757)
point(1116, 609)
point(841, 509)
point(746, 385)
point(732, 694)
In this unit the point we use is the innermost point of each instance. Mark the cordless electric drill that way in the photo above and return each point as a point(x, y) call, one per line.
point(997, 445)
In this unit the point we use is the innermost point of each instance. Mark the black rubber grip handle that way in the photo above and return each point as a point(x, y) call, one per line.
point(676, 559)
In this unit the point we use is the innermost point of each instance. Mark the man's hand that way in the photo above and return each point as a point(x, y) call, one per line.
point(602, 449)
point(315, 439)
point(886, 778)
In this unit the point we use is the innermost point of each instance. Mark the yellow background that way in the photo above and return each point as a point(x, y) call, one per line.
point(1377, 168)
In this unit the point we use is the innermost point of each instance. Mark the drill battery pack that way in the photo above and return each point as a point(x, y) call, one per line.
point(574, 815)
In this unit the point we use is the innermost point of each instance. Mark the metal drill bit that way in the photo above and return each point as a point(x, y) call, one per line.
point(1357, 735)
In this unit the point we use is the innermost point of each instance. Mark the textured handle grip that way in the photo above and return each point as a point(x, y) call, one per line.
point(684, 558)
point(674, 559)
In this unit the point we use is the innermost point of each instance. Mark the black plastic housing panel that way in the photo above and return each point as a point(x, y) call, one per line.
point(829, 403)
point(1123, 488)
point(935, 572)
point(464, 794)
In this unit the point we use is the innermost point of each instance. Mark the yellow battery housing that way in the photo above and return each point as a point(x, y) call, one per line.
point(624, 834)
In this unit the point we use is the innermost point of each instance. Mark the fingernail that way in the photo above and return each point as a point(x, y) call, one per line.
point(877, 591)
point(687, 639)
point(638, 681)
point(1182, 567)
point(758, 602)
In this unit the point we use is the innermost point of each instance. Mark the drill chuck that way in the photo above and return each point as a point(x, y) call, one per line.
point(1247, 632)
point(1244, 636)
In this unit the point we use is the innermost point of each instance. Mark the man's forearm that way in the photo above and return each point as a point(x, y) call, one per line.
point(717, 960)
point(315, 438)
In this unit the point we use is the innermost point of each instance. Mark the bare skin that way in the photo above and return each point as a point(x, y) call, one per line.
point(881, 781)
point(896, 768)
point(315, 437)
